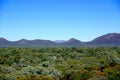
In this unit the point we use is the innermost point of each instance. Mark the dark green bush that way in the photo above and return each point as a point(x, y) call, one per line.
point(113, 75)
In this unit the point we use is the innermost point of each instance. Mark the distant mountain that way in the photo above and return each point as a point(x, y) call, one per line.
point(34, 43)
point(4, 42)
point(73, 42)
point(110, 39)
point(22, 42)
point(107, 39)
point(60, 41)
point(39, 42)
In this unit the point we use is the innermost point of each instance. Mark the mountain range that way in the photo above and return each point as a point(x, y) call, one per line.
point(110, 39)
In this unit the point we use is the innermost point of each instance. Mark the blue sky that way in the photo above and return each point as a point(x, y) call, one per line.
point(58, 19)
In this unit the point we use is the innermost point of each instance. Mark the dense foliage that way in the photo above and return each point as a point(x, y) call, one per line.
point(70, 63)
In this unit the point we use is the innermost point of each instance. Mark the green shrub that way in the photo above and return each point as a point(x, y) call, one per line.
point(28, 70)
point(113, 58)
point(99, 78)
point(113, 75)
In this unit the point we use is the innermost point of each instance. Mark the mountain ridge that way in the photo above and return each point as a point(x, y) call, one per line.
point(112, 39)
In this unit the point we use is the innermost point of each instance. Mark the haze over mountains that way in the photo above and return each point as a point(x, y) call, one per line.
point(110, 39)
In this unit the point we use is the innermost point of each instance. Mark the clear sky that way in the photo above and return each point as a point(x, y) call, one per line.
point(58, 19)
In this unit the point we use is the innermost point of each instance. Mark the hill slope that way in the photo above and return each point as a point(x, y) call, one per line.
point(107, 39)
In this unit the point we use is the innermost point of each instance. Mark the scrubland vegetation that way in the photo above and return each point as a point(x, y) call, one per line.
point(70, 63)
